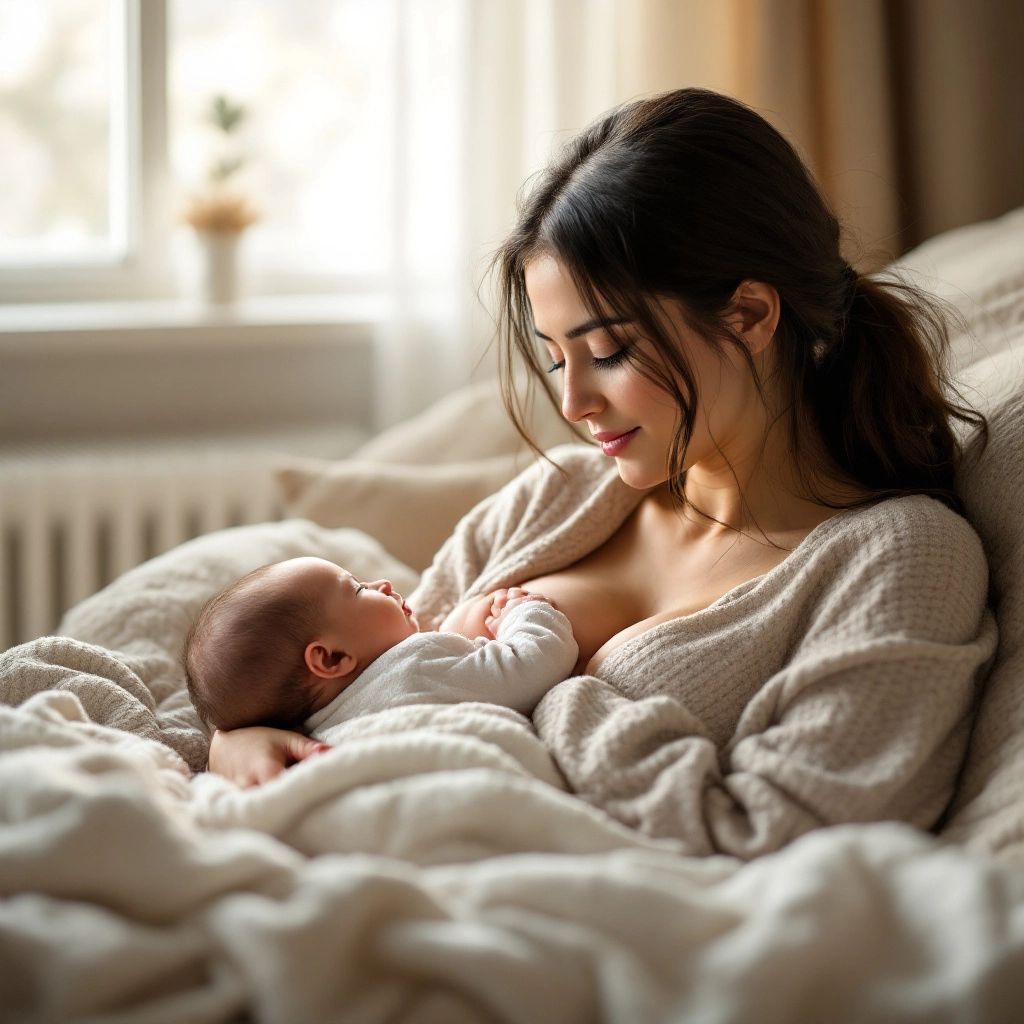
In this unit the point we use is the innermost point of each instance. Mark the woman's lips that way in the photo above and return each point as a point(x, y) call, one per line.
point(612, 444)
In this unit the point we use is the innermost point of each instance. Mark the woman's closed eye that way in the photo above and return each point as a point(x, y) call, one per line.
point(600, 363)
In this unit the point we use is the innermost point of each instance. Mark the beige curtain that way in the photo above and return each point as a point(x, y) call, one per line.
point(909, 112)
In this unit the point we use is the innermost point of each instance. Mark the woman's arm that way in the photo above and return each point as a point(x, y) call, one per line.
point(253, 756)
point(868, 720)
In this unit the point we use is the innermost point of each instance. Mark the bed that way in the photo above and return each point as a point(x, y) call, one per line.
point(433, 867)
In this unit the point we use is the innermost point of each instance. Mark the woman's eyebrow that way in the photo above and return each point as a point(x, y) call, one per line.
point(590, 325)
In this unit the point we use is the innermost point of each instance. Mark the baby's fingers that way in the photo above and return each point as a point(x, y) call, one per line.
point(501, 598)
point(516, 601)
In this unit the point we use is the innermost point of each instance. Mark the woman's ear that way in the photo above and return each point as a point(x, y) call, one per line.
point(754, 314)
point(327, 662)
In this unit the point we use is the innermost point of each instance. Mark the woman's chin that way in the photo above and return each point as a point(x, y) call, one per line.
point(638, 476)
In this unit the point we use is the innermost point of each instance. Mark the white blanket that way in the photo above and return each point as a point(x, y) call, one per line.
point(430, 868)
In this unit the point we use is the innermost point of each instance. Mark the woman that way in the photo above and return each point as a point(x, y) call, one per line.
point(779, 607)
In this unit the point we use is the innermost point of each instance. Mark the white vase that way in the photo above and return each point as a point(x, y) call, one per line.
point(219, 253)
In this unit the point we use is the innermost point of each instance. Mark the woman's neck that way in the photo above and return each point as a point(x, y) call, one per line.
point(759, 491)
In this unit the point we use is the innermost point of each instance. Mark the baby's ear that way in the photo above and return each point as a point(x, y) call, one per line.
point(327, 662)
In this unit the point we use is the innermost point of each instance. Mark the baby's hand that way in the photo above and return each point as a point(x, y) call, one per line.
point(503, 601)
point(469, 617)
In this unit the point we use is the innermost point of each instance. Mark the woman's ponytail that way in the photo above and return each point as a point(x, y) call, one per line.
point(879, 391)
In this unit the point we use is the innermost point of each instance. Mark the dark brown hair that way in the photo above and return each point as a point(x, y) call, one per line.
point(243, 655)
point(682, 196)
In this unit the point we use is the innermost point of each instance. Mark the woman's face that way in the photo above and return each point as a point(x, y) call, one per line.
point(634, 418)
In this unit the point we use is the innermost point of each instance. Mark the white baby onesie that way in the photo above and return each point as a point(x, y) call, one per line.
point(534, 649)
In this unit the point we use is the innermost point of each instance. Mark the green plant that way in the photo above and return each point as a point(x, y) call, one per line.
point(226, 117)
point(219, 210)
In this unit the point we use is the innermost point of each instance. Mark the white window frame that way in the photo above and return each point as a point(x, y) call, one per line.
point(146, 269)
point(139, 271)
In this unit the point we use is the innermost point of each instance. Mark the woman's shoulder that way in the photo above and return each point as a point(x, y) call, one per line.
point(915, 541)
point(571, 485)
point(567, 469)
point(907, 522)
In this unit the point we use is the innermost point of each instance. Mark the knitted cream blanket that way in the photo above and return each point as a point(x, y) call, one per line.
point(838, 687)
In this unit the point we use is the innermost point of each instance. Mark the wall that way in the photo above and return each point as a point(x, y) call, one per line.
point(130, 378)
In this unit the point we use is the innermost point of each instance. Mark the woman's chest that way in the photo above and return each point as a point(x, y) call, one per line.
point(637, 581)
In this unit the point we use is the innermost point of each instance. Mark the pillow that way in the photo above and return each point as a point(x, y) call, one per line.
point(468, 424)
point(979, 268)
point(988, 809)
point(410, 509)
point(411, 484)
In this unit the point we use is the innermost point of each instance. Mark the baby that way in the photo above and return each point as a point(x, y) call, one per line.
point(304, 643)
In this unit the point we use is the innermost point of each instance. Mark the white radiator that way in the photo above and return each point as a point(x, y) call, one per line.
point(72, 520)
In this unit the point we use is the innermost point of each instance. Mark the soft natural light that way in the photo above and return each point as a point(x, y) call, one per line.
point(61, 76)
point(316, 79)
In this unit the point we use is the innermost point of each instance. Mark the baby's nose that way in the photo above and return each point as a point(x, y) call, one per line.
point(384, 586)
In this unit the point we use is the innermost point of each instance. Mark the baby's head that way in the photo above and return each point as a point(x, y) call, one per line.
point(286, 639)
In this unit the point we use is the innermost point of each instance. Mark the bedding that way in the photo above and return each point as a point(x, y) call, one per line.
point(434, 867)
point(431, 867)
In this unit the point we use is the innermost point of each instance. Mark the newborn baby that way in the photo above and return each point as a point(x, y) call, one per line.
point(303, 642)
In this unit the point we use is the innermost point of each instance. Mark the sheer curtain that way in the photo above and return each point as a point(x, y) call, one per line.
point(908, 112)
point(486, 90)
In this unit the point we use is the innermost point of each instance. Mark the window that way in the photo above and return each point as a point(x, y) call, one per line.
point(63, 132)
point(103, 122)
point(315, 79)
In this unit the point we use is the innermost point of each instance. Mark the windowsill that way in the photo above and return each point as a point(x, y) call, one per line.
point(238, 447)
point(141, 368)
point(48, 328)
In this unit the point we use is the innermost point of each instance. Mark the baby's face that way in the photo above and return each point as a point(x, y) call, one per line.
point(361, 618)
point(364, 615)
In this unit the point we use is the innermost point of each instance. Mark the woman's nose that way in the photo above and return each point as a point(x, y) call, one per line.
point(579, 399)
